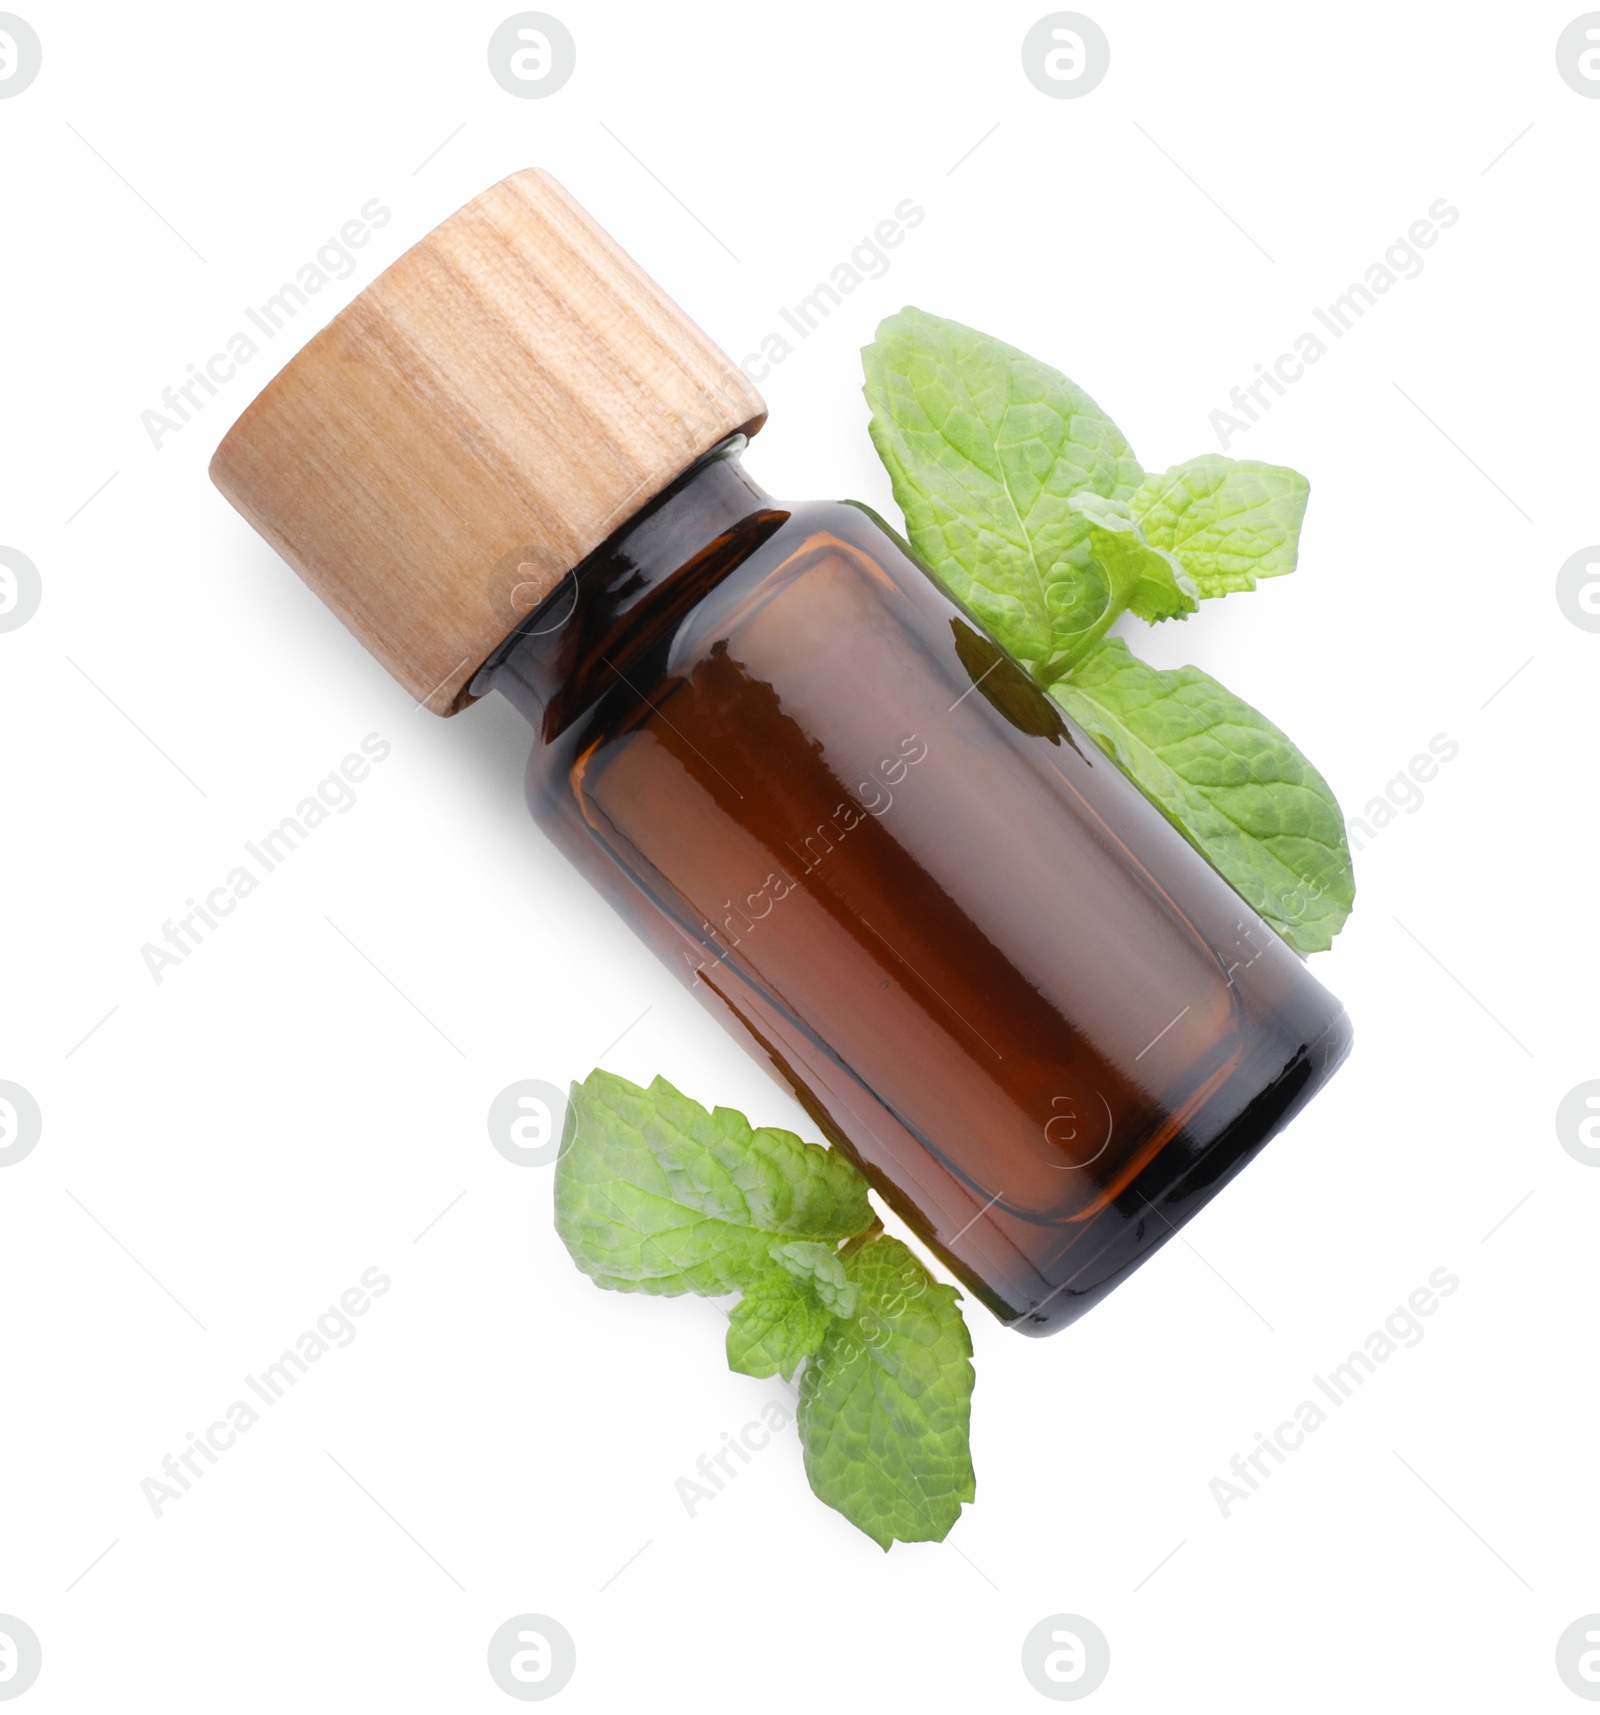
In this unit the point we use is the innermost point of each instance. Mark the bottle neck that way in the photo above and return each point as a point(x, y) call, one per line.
point(713, 506)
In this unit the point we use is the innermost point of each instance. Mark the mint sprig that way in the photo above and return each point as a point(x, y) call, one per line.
point(1026, 502)
point(655, 1193)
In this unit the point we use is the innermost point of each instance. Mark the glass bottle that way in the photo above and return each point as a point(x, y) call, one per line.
point(984, 963)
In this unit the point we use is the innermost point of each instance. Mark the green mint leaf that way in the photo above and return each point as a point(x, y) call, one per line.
point(1229, 780)
point(823, 1269)
point(777, 1323)
point(1148, 580)
point(1230, 521)
point(885, 1403)
point(985, 446)
point(655, 1194)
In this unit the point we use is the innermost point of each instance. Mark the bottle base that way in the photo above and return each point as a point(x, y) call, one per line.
point(1187, 1175)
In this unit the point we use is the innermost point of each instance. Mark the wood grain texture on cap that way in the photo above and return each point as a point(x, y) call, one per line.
point(473, 424)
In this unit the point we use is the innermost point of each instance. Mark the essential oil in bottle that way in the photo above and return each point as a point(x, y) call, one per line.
point(988, 968)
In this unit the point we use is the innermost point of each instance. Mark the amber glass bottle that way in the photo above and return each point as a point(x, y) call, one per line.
point(983, 962)
point(985, 965)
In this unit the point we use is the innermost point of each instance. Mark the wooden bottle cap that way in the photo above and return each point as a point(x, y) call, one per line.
point(480, 418)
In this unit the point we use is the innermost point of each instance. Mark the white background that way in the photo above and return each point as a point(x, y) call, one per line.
point(275, 1117)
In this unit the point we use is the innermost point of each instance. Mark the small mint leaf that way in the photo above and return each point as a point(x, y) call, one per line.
point(886, 1402)
point(1230, 521)
point(655, 1194)
point(821, 1267)
point(779, 1322)
point(1145, 580)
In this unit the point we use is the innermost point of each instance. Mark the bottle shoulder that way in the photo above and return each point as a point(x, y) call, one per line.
point(853, 520)
point(633, 626)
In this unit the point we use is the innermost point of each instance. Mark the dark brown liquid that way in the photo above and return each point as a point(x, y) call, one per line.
point(986, 965)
